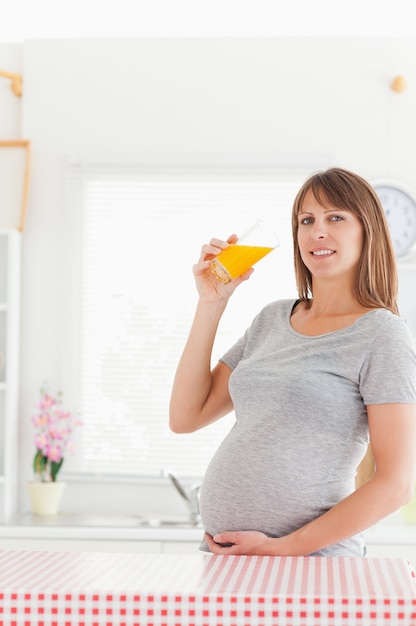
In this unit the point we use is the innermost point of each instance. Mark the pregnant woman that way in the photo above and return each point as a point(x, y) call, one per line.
point(312, 382)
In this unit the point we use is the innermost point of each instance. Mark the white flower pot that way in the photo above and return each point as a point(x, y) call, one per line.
point(45, 498)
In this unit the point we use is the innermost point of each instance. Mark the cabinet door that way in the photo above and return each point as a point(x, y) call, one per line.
point(9, 353)
point(3, 310)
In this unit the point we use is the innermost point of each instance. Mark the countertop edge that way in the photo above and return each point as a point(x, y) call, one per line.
point(102, 534)
point(392, 531)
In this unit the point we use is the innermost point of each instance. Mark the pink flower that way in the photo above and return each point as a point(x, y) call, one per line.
point(55, 433)
point(46, 402)
point(54, 427)
point(54, 453)
point(40, 420)
point(41, 441)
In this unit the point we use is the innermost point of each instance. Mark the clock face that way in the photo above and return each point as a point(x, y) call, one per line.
point(400, 210)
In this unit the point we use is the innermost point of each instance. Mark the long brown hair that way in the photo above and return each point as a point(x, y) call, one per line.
point(376, 281)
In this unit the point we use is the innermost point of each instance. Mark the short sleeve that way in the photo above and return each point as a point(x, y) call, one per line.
point(234, 355)
point(388, 374)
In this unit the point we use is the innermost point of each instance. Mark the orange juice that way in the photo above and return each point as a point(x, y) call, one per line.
point(236, 259)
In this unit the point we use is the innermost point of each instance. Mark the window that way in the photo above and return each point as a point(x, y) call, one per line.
point(131, 237)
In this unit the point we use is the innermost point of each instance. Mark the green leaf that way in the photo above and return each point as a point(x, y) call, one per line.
point(39, 462)
point(55, 467)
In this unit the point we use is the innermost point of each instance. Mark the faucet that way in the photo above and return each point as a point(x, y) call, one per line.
point(190, 496)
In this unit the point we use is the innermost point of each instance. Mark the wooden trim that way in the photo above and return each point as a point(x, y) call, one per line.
point(14, 143)
point(16, 81)
point(21, 143)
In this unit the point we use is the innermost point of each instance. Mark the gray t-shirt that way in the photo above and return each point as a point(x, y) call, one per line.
point(301, 422)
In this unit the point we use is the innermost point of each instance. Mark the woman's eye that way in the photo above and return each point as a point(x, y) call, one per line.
point(331, 218)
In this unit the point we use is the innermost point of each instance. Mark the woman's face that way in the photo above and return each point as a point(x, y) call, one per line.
point(330, 239)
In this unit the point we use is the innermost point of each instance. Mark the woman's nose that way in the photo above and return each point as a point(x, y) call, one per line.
point(319, 230)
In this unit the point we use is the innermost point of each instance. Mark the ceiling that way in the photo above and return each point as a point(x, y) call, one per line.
point(34, 19)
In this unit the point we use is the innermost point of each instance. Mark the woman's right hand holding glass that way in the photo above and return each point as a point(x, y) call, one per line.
point(208, 285)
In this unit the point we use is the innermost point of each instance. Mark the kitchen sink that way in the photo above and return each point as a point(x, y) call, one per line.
point(158, 522)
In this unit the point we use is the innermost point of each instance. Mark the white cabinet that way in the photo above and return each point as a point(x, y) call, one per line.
point(407, 272)
point(9, 351)
point(395, 551)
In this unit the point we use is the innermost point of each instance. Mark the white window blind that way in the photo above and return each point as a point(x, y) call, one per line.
point(131, 238)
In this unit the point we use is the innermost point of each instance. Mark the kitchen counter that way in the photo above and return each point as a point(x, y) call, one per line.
point(392, 530)
point(100, 526)
point(168, 535)
point(201, 590)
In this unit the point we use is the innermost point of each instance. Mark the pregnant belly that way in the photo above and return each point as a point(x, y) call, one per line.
point(242, 493)
point(264, 487)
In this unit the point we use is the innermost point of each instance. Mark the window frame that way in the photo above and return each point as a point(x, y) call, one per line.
point(73, 243)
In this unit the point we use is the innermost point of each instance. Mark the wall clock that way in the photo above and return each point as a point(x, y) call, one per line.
point(400, 209)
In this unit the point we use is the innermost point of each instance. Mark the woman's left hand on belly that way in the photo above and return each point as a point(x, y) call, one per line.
point(241, 542)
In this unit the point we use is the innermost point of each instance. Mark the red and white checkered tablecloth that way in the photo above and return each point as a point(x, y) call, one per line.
point(103, 589)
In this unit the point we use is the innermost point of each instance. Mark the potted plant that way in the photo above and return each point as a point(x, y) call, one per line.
point(54, 427)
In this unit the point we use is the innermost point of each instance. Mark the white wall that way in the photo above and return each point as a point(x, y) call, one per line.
point(251, 101)
point(27, 19)
point(10, 105)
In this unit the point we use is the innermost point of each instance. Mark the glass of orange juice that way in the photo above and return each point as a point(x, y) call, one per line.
point(258, 241)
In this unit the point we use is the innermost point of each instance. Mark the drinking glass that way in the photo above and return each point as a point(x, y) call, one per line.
point(232, 262)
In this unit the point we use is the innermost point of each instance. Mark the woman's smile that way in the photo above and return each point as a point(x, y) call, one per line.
point(323, 252)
